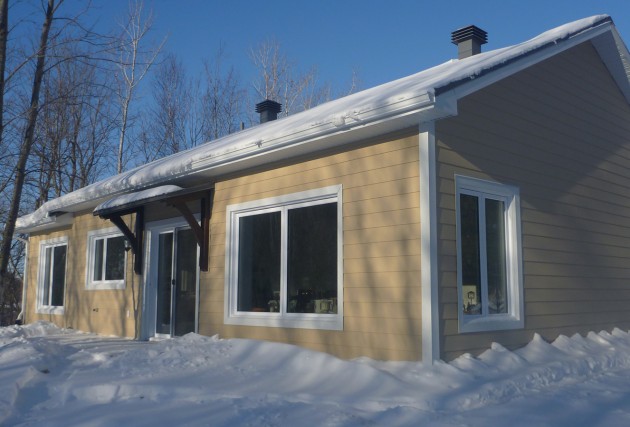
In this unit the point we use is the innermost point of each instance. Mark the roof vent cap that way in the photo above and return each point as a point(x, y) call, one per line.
point(268, 110)
point(469, 40)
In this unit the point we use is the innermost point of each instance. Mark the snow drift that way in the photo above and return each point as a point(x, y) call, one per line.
point(56, 377)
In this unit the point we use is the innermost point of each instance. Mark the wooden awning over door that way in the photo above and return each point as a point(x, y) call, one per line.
point(134, 203)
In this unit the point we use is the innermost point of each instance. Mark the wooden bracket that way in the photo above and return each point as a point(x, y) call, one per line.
point(201, 230)
point(135, 238)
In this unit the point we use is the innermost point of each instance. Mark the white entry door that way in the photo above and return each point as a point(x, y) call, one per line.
point(171, 288)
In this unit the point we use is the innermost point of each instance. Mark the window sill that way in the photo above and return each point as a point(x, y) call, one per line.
point(331, 322)
point(57, 311)
point(104, 286)
point(496, 322)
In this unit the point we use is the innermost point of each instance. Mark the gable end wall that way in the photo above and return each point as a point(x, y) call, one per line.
point(560, 131)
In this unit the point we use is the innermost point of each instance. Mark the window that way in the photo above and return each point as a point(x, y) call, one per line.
point(488, 256)
point(52, 276)
point(284, 261)
point(106, 259)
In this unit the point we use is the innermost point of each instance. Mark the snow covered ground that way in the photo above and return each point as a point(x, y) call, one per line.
point(55, 377)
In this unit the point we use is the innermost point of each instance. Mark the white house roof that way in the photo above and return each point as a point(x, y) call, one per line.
point(427, 95)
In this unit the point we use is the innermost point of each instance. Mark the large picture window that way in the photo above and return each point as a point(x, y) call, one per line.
point(106, 259)
point(283, 264)
point(488, 248)
point(52, 276)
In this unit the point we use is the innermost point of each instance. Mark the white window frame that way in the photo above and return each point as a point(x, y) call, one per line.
point(90, 283)
point(232, 316)
point(514, 318)
point(43, 245)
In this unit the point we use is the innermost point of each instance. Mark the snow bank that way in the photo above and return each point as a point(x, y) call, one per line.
point(55, 377)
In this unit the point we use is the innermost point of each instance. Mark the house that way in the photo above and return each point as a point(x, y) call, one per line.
point(483, 200)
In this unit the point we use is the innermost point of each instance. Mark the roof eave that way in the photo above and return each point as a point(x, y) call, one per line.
point(49, 222)
point(342, 129)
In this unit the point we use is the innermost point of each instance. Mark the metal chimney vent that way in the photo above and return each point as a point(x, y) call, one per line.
point(268, 110)
point(469, 40)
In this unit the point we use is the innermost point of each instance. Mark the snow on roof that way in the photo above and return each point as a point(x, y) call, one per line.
point(137, 196)
point(411, 93)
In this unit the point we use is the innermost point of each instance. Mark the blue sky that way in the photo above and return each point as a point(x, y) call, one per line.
point(381, 40)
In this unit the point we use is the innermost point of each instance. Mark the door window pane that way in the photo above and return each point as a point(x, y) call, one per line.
point(185, 282)
point(259, 262)
point(165, 270)
point(471, 270)
point(312, 259)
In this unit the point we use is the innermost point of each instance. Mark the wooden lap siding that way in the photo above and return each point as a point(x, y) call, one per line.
point(560, 131)
point(381, 248)
point(100, 311)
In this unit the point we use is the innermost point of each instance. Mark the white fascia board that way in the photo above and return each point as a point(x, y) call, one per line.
point(47, 223)
point(519, 64)
point(615, 55)
point(336, 131)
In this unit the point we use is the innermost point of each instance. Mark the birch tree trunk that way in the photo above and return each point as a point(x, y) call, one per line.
point(27, 144)
point(4, 34)
point(134, 64)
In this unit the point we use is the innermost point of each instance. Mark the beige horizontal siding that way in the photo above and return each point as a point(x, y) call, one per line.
point(560, 131)
point(381, 253)
point(110, 312)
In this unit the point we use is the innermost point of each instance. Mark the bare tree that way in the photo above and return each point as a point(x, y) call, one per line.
point(134, 63)
point(76, 109)
point(279, 80)
point(25, 149)
point(93, 149)
point(186, 112)
point(223, 99)
point(164, 126)
point(4, 34)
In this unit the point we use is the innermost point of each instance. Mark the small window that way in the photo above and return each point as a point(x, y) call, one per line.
point(52, 276)
point(488, 248)
point(106, 260)
point(284, 261)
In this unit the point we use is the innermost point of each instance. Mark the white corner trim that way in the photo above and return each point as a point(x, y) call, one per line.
point(428, 230)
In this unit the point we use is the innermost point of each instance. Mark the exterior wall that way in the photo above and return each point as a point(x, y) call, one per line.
point(109, 312)
point(560, 131)
point(381, 248)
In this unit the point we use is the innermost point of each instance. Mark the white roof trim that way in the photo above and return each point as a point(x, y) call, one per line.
point(47, 222)
point(616, 57)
